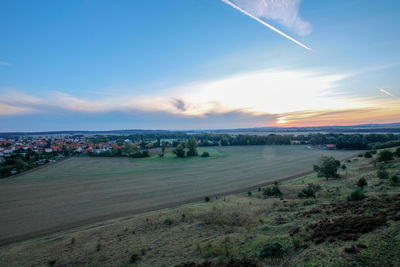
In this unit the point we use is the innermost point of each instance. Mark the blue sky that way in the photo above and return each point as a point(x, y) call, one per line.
point(191, 64)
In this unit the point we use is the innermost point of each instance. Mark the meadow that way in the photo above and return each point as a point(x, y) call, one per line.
point(83, 190)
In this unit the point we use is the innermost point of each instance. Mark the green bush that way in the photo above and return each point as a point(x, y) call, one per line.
point(382, 174)
point(272, 250)
point(395, 180)
point(362, 183)
point(134, 258)
point(207, 199)
point(273, 191)
point(357, 195)
point(205, 154)
point(367, 155)
point(397, 152)
point(385, 155)
point(309, 191)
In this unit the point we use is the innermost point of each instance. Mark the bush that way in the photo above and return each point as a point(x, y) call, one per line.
point(309, 191)
point(362, 183)
point(207, 199)
point(397, 152)
point(395, 180)
point(385, 155)
point(134, 258)
point(357, 195)
point(272, 191)
point(382, 174)
point(272, 250)
point(367, 155)
point(205, 154)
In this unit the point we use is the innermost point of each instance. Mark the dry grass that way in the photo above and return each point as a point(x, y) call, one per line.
point(232, 227)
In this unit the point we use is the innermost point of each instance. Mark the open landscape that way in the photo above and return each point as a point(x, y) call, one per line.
point(244, 229)
point(80, 190)
point(199, 133)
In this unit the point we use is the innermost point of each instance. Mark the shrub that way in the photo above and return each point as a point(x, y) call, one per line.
point(397, 152)
point(367, 155)
point(134, 258)
point(395, 180)
point(205, 154)
point(362, 183)
point(272, 191)
point(309, 191)
point(51, 262)
point(357, 195)
point(207, 199)
point(272, 250)
point(168, 221)
point(382, 174)
point(385, 155)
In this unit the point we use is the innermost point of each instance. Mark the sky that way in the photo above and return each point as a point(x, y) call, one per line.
point(197, 64)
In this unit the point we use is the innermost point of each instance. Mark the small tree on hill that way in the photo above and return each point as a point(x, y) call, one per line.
point(385, 155)
point(192, 147)
point(327, 167)
point(362, 183)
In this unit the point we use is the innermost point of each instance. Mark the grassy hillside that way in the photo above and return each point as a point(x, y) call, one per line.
point(82, 190)
point(245, 229)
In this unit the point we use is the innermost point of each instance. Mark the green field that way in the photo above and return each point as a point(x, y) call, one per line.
point(81, 190)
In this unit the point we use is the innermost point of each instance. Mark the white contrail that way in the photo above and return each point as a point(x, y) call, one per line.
point(265, 24)
point(386, 92)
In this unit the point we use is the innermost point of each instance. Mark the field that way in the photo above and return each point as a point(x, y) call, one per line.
point(82, 190)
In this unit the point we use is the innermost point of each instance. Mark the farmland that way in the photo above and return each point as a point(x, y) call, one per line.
point(81, 190)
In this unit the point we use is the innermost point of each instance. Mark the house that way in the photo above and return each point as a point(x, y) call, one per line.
point(48, 150)
point(330, 146)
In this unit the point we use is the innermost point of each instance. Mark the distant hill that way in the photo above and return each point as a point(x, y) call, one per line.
point(361, 128)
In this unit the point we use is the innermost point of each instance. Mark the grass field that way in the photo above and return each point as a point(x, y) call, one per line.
point(81, 190)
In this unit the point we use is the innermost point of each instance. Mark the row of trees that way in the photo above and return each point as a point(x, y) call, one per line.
point(188, 149)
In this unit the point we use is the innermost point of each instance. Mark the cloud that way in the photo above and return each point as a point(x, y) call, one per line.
point(286, 97)
point(285, 12)
point(386, 92)
point(4, 63)
point(267, 8)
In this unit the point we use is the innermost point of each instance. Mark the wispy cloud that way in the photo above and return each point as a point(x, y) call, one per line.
point(4, 63)
point(386, 92)
point(288, 97)
point(286, 12)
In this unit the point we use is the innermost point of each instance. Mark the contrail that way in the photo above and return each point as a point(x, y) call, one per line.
point(265, 24)
point(386, 92)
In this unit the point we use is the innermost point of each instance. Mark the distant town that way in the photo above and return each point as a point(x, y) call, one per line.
point(25, 152)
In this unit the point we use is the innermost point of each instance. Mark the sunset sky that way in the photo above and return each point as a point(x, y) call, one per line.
point(197, 64)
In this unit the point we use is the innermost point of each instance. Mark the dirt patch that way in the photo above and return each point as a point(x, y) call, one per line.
point(343, 228)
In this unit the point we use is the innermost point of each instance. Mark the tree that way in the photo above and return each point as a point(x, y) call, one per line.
point(192, 147)
point(385, 155)
point(327, 167)
point(362, 183)
point(163, 146)
point(179, 151)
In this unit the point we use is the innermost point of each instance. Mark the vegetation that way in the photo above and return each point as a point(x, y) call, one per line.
point(309, 191)
point(382, 174)
point(385, 155)
point(242, 229)
point(327, 167)
point(273, 191)
point(356, 195)
point(362, 182)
